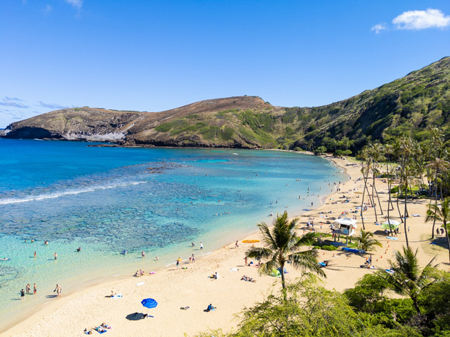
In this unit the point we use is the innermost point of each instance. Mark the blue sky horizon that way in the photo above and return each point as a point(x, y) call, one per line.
point(158, 55)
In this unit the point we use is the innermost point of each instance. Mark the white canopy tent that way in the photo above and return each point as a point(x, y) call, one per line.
point(392, 222)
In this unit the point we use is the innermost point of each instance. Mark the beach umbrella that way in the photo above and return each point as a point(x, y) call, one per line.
point(392, 222)
point(346, 221)
point(149, 303)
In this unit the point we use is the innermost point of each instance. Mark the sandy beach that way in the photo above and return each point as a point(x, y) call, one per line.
point(174, 287)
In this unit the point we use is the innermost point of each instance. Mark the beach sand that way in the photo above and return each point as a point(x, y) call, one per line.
point(173, 288)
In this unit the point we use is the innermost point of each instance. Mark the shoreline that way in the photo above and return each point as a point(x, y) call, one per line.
point(174, 288)
point(45, 308)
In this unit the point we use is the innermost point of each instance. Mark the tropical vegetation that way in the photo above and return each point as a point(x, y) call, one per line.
point(306, 308)
point(283, 245)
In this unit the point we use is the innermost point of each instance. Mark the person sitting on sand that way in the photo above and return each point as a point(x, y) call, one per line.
point(106, 326)
point(100, 329)
point(87, 332)
point(136, 274)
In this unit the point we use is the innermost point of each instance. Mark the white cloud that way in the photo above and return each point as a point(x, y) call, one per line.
point(13, 102)
point(379, 27)
point(52, 105)
point(75, 3)
point(431, 18)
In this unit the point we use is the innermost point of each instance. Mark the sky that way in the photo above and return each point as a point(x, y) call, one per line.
point(154, 55)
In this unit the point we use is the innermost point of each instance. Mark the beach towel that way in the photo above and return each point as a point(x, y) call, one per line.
point(353, 250)
point(322, 264)
point(140, 283)
point(416, 215)
point(234, 269)
point(117, 296)
point(391, 238)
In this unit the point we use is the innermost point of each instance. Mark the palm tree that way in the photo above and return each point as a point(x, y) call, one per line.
point(437, 165)
point(407, 278)
point(366, 164)
point(441, 214)
point(389, 150)
point(282, 245)
point(376, 152)
point(405, 148)
point(366, 242)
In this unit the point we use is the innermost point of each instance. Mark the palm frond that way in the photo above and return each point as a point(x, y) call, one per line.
point(307, 260)
point(267, 236)
point(259, 253)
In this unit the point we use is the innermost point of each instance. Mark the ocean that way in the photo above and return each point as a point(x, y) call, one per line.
point(107, 200)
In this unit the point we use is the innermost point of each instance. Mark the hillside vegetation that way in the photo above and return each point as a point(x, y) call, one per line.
point(405, 106)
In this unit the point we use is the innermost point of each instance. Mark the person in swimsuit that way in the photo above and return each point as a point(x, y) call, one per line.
point(22, 294)
point(35, 289)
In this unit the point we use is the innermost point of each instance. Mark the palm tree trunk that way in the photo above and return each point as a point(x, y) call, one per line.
point(398, 206)
point(448, 239)
point(416, 305)
point(362, 202)
point(283, 282)
point(388, 219)
point(404, 223)
point(435, 202)
point(373, 197)
point(378, 197)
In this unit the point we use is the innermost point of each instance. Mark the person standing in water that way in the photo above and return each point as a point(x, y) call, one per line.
point(35, 289)
point(22, 294)
point(28, 288)
point(35, 254)
point(201, 245)
point(56, 256)
point(58, 290)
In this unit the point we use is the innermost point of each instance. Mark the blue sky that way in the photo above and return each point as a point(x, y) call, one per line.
point(155, 55)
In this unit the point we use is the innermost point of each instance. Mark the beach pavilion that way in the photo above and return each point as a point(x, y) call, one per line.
point(345, 227)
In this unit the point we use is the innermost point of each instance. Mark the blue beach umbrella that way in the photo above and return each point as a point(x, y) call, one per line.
point(149, 303)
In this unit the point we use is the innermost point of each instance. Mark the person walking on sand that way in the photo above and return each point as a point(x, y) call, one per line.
point(201, 245)
point(58, 290)
point(178, 262)
point(193, 258)
point(35, 289)
point(236, 245)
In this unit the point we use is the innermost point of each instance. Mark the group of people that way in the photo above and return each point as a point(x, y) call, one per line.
point(28, 289)
point(441, 230)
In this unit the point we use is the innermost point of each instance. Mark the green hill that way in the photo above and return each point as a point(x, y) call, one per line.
point(407, 105)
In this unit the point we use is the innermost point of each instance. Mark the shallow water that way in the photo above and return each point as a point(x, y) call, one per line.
point(107, 200)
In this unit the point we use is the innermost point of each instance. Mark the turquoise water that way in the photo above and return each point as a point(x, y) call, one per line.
point(106, 200)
